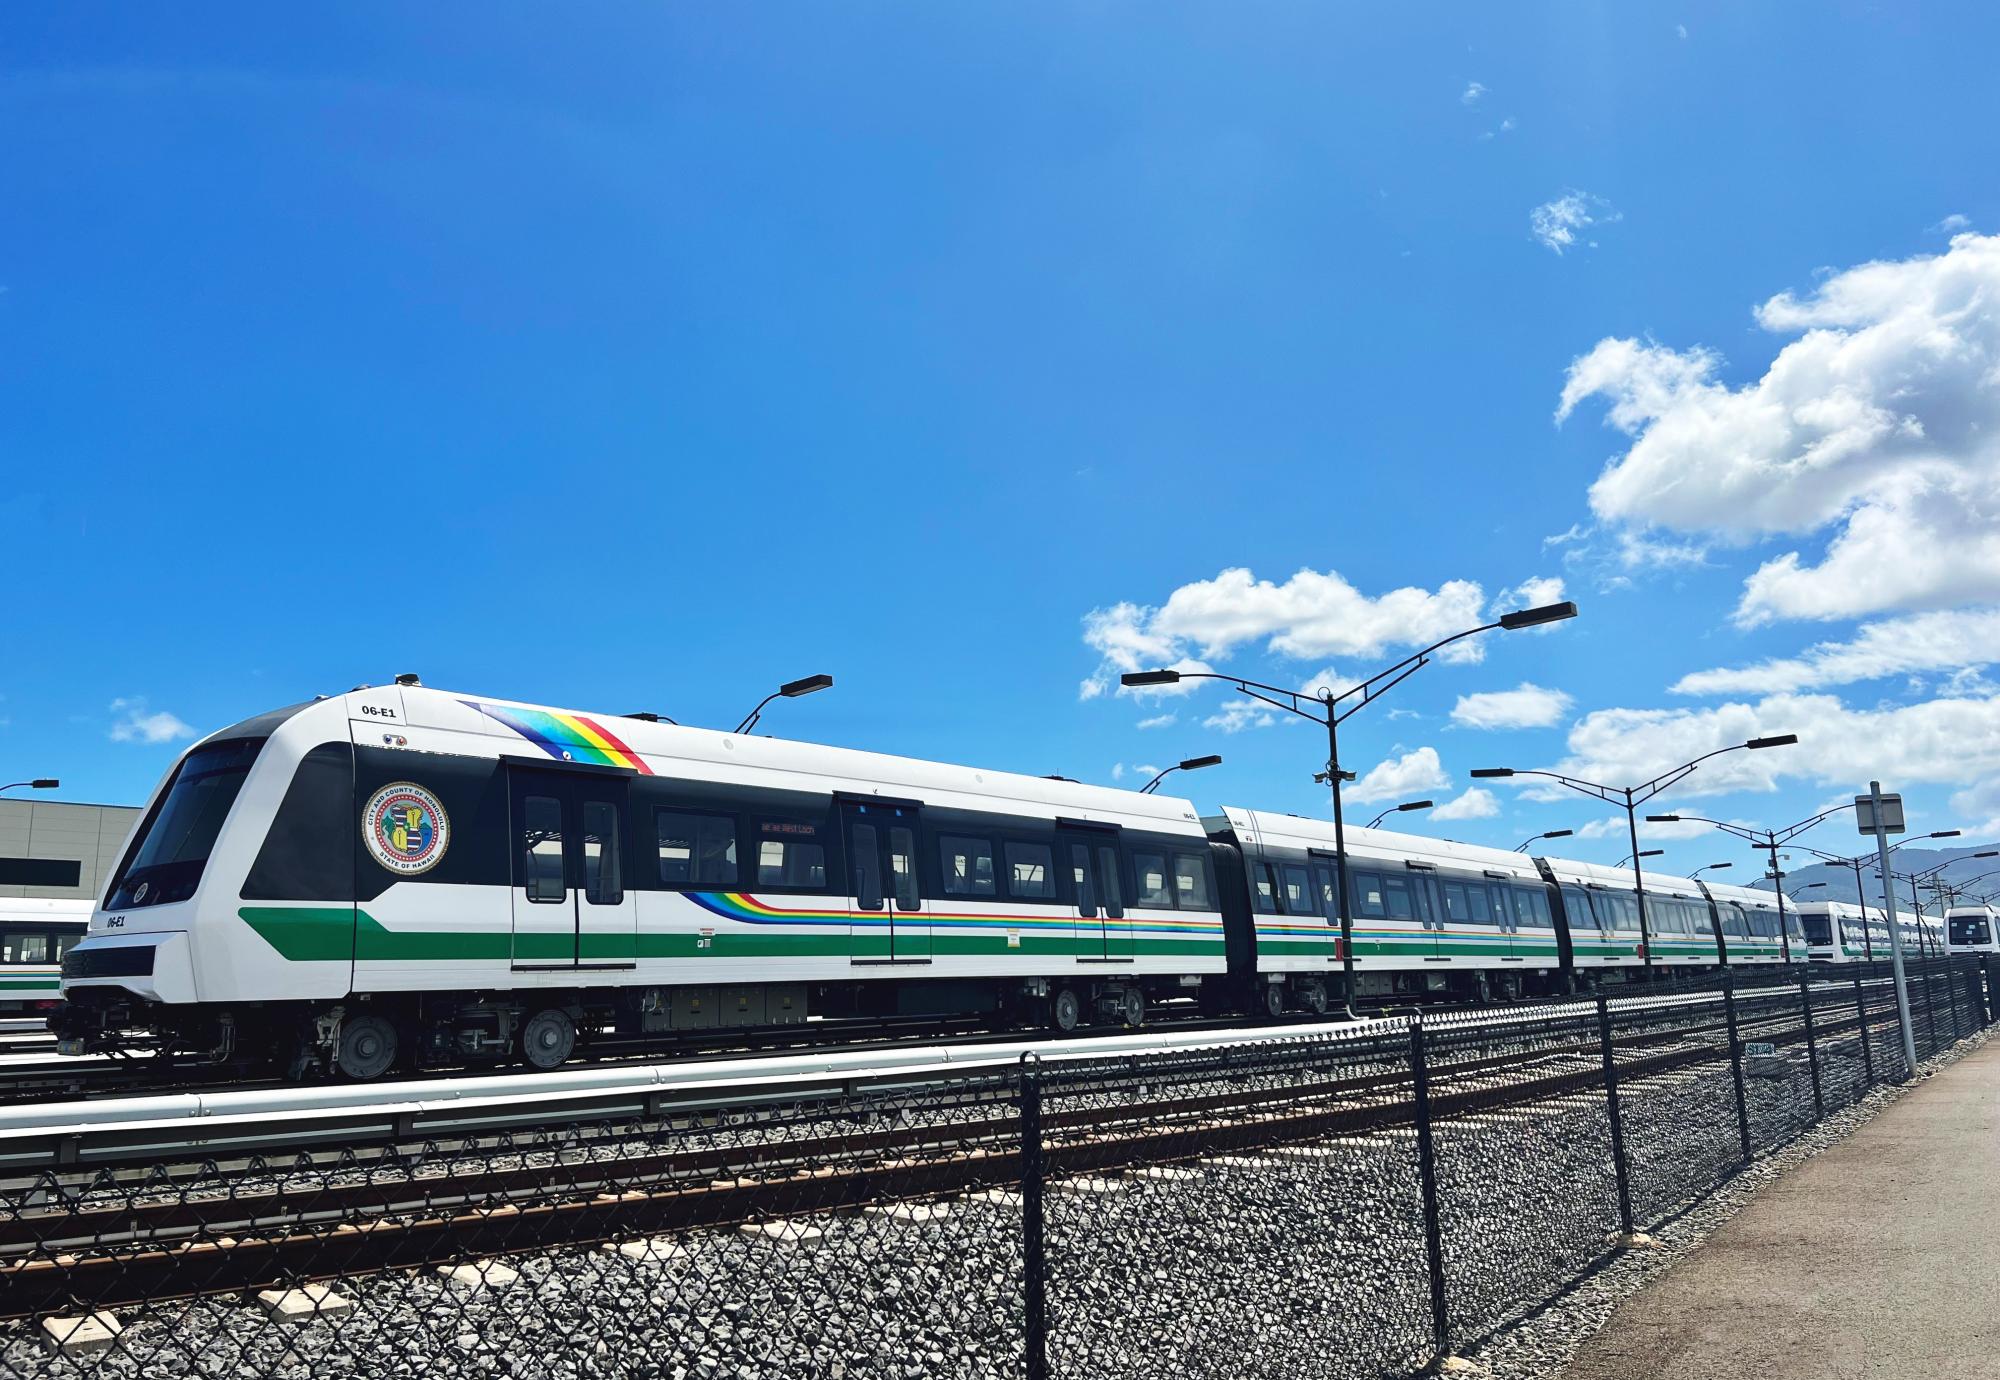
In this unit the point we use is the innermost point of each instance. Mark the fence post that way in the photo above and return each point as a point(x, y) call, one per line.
point(1930, 1008)
point(1986, 1003)
point(1736, 1063)
point(1617, 1116)
point(1812, 1048)
point(1033, 1263)
point(1427, 1176)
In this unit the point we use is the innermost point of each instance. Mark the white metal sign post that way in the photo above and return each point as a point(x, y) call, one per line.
point(1882, 815)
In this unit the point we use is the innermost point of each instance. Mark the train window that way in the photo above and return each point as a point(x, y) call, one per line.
point(1264, 888)
point(968, 866)
point(1577, 904)
point(695, 850)
point(1191, 882)
point(1080, 878)
point(1297, 890)
point(66, 942)
point(1968, 930)
point(1368, 897)
point(1531, 907)
point(1150, 880)
point(903, 865)
point(1031, 874)
point(1107, 882)
point(173, 845)
point(789, 855)
point(1323, 889)
point(542, 849)
point(603, 882)
point(1458, 903)
point(865, 865)
point(1398, 898)
point(24, 948)
point(1818, 931)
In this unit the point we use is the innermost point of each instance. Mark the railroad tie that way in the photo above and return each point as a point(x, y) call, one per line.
point(906, 1212)
point(783, 1231)
point(304, 1303)
point(480, 1274)
point(82, 1336)
point(658, 1250)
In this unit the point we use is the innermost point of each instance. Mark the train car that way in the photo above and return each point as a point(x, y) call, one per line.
point(1429, 916)
point(1601, 910)
point(1971, 930)
point(402, 873)
point(1841, 932)
point(34, 935)
point(1751, 929)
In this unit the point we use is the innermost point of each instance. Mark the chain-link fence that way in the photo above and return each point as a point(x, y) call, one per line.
point(1341, 1205)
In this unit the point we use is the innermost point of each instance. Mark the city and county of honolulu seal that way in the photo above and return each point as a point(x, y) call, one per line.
point(406, 828)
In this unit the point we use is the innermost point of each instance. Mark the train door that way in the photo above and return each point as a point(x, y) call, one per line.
point(1089, 856)
point(1325, 867)
point(889, 922)
point(570, 904)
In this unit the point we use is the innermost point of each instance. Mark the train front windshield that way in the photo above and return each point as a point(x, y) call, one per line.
point(166, 860)
point(1818, 931)
point(1968, 930)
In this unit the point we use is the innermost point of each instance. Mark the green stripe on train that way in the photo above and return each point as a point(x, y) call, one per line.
point(308, 934)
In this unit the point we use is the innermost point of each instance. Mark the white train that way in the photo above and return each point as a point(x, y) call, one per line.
point(1841, 932)
point(34, 936)
point(1971, 930)
point(400, 874)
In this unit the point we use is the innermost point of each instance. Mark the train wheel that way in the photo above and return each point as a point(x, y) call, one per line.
point(1274, 999)
point(1314, 995)
point(1132, 1007)
point(547, 1040)
point(1065, 1010)
point(367, 1047)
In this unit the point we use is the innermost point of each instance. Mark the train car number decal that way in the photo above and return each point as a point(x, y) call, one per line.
point(406, 828)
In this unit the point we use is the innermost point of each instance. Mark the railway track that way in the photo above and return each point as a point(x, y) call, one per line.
point(116, 1238)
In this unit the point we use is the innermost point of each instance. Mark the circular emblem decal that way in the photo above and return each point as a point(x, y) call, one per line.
point(406, 828)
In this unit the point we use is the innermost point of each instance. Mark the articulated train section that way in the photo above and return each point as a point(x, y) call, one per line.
point(403, 878)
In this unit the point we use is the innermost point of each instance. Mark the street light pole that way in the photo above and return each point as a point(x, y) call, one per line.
point(1191, 764)
point(40, 783)
point(790, 690)
point(1404, 808)
point(1895, 939)
point(1331, 715)
point(1631, 797)
point(1532, 839)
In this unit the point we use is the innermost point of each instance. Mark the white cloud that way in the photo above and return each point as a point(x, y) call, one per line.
point(134, 724)
point(1879, 423)
point(1238, 714)
point(1158, 721)
point(1681, 29)
point(1400, 778)
point(1948, 741)
point(1952, 224)
point(1507, 125)
point(1117, 771)
point(1529, 594)
point(1562, 224)
point(1311, 614)
point(1616, 828)
point(1527, 705)
point(1959, 642)
point(1473, 91)
point(1474, 804)
point(1979, 809)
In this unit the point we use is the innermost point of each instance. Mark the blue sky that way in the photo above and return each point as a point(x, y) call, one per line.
point(656, 356)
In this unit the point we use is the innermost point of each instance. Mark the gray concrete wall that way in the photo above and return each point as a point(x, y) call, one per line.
point(88, 834)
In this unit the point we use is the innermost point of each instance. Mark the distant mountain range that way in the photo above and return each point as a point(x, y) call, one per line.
point(1802, 870)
